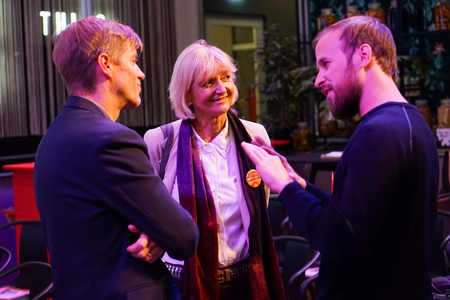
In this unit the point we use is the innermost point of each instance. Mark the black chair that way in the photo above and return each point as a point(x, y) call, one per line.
point(440, 263)
point(440, 246)
point(307, 285)
point(4, 253)
point(445, 183)
point(279, 220)
point(39, 287)
point(279, 224)
point(35, 273)
point(277, 214)
point(297, 257)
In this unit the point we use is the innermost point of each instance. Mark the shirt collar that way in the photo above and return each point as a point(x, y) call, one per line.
point(222, 141)
point(99, 106)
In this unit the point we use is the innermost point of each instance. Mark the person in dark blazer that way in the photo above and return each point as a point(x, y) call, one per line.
point(93, 177)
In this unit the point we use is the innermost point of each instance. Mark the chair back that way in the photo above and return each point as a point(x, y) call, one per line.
point(297, 257)
point(32, 245)
point(440, 231)
point(305, 287)
point(32, 248)
point(276, 214)
point(37, 288)
point(445, 183)
point(5, 257)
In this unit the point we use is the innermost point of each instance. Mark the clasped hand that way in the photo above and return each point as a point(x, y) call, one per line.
point(144, 248)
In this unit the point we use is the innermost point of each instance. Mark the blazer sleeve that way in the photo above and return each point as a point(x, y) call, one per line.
point(135, 191)
point(155, 142)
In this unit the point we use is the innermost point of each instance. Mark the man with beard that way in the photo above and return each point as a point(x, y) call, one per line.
point(374, 229)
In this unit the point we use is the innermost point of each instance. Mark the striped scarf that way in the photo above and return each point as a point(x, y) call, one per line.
point(200, 271)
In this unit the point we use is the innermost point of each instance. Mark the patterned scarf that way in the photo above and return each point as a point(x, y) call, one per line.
point(200, 272)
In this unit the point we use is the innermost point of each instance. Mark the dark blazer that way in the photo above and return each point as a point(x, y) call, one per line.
point(92, 178)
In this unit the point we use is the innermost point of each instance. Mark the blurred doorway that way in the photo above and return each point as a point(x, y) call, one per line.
point(240, 38)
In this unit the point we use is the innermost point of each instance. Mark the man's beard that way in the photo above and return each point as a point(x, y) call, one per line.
point(130, 101)
point(347, 97)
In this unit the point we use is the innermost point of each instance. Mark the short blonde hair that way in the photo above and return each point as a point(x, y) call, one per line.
point(198, 61)
point(359, 30)
point(78, 46)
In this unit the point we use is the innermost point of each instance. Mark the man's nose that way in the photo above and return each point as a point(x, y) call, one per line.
point(141, 74)
point(319, 80)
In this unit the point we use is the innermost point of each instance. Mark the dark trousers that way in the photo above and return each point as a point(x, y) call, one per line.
point(237, 289)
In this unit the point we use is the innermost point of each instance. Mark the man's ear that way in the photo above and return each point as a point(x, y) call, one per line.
point(366, 55)
point(104, 63)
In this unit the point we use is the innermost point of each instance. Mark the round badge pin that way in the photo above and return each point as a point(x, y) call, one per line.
point(253, 178)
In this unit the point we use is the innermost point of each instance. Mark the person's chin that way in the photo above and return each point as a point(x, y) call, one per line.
point(224, 109)
point(225, 105)
point(132, 104)
point(217, 112)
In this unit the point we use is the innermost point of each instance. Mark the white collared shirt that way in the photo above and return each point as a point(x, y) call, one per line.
point(221, 168)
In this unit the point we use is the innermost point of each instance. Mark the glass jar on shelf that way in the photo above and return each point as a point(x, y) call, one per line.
point(376, 12)
point(443, 123)
point(326, 19)
point(302, 137)
point(442, 15)
point(425, 110)
point(326, 122)
point(443, 114)
point(352, 10)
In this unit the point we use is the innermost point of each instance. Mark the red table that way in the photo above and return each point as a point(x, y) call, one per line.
point(24, 200)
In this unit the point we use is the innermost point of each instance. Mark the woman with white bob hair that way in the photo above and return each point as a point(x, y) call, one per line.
point(210, 175)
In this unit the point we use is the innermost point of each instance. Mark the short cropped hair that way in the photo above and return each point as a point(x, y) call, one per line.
point(78, 46)
point(198, 61)
point(359, 30)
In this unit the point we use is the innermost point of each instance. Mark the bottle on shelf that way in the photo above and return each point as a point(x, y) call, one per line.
point(376, 12)
point(302, 137)
point(442, 15)
point(392, 17)
point(425, 110)
point(326, 19)
point(352, 10)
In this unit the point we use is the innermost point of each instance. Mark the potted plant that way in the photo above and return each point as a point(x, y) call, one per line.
point(286, 87)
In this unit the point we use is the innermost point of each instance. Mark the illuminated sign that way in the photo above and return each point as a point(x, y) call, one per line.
point(60, 20)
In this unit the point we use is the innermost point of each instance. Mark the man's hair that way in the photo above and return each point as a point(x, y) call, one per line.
point(359, 30)
point(197, 62)
point(78, 46)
